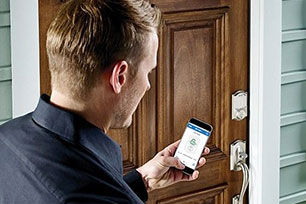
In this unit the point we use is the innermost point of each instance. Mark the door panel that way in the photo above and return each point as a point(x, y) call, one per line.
point(190, 75)
point(202, 60)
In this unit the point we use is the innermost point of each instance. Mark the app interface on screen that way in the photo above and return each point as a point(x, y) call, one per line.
point(191, 145)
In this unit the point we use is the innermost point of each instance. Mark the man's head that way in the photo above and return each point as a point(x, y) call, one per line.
point(103, 41)
point(136, 83)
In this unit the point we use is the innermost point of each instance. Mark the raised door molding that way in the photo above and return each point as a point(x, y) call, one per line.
point(193, 88)
point(208, 196)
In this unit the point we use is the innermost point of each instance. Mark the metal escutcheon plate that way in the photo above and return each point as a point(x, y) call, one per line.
point(237, 149)
point(239, 105)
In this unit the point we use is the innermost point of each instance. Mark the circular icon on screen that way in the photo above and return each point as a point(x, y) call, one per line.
point(192, 145)
point(193, 142)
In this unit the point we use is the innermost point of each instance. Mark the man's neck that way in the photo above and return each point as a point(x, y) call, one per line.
point(88, 110)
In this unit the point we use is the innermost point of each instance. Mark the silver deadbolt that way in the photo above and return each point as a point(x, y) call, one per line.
point(237, 163)
point(239, 105)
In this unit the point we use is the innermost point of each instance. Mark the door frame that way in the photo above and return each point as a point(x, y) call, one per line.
point(265, 98)
point(265, 72)
point(24, 56)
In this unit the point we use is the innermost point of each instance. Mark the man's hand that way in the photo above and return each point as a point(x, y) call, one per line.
point(164, 170)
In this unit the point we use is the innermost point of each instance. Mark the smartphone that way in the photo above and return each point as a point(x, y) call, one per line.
point(192, 144)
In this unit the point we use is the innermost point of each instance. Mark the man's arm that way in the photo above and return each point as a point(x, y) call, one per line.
point(104, 200)
point(135, 181)
point(96, 195)
point(98, 192)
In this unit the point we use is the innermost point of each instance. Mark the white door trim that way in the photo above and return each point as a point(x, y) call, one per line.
point(24, 56)
point(265, 81)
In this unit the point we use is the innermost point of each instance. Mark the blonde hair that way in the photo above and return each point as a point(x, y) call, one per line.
point(87, 36)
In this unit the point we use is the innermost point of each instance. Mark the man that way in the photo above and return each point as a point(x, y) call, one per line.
point(100, 55)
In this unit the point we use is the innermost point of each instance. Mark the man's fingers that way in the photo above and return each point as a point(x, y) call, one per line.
point(202, 161)
point(169, 161)
point(169, 150)
point(175, 144)
point(194, 175)
point(206, 151)
point(180, 176)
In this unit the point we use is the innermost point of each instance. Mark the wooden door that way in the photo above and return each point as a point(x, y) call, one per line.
point(202, 60)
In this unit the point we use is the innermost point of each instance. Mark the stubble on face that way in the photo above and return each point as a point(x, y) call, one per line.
point(137, 85)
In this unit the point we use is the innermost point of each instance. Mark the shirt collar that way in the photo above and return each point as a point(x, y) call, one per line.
point(74, 129)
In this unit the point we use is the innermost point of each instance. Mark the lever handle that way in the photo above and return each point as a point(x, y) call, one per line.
point(238, 199)
point(237, 163)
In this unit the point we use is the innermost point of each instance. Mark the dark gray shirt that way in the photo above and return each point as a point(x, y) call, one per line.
point(54, 156)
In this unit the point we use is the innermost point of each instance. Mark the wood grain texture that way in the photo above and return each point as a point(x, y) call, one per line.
point(189, 74)
point(173, 6)
point(213, 195)
point(47, 11)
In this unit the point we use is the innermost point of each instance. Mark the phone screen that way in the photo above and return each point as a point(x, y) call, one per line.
point(192, 144)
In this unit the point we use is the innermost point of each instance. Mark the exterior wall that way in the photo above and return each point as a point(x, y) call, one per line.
point(293, 103)
point(5, 63)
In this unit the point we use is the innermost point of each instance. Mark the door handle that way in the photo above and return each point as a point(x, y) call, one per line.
point(238, 163)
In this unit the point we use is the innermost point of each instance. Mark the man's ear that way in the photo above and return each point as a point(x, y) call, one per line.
point(118, 76)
